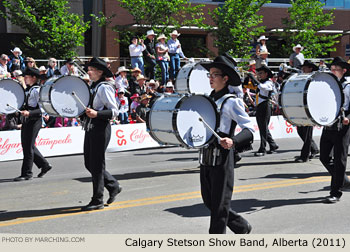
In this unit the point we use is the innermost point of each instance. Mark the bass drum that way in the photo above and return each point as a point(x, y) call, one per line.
point(311, 99)
point(192, 79)
point(174, 119)
point(56, 96)
point(12, 96)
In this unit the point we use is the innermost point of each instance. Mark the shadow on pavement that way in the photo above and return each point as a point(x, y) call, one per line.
point(5, 216)
point(248, 206)
point(149, 174)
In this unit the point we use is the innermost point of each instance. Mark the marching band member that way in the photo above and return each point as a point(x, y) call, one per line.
point(217, 160)
point(337, 137)
point(309, 149)
point(30, 128)
point(263, 111)
point(98, 133)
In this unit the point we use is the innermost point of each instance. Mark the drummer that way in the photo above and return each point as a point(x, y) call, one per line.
point(216, 174)
point(309, 149)
point(337, 137)
point(30, 128)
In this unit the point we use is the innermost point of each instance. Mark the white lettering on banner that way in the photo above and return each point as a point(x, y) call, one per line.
point(70, 140)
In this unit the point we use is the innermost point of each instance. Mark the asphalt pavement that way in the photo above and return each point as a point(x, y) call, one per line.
point(161, 195)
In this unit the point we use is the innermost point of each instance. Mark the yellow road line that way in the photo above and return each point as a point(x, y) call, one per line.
point(168, 198)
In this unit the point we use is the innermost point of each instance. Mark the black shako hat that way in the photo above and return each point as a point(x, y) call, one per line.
point(266, 70)
point(31, 71)
point(226, 64)
point(308, 63)
point(100, 64)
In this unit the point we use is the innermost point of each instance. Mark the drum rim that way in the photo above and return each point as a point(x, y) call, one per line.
point(306, 108)
point(24, 93)
point(54, 80)
point(212, 138)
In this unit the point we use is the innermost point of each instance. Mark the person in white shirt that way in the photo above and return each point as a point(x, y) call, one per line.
point(121, 81)
point(296, 59)
point(163, 58)
point(69, 68)
point(135, 49)
point(263, 111)
point(123, 104)
point(175, 52)
point(3, 66)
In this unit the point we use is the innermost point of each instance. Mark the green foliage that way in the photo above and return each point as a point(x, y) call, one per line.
point(306, 17)
point(52, 30)
point(159, 15)
point(237, 23)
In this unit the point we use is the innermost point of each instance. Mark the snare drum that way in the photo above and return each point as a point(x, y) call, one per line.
point(174, 119)
point(311, 99)
point(192, 79)
point(11, 93)
point(56, 96)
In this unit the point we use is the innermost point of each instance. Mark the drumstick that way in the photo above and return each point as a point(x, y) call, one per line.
point(8, 105)
point(207, 125)
point(78, 99)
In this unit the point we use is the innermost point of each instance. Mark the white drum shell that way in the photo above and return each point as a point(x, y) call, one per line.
point(174, 120)
point(56, 96)
point(192, 79)
point(12, 93)
point(311, 99)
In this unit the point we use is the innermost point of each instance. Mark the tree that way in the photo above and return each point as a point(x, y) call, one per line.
point(52, 30)
point(236, 25)
point(306, 18)
point(159, 15)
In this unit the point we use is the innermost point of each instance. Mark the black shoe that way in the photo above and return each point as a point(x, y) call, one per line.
point(301, 160)
point(114, 194)
point(331, 199)
point(248, 229)
point(273, 149)
point(92, 206)
point(22, 178)
point(44, 170)
point(259, 154)
point(313, 155)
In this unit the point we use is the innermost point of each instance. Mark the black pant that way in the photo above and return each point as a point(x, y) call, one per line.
point(305, 133)
point(29, 132)
point(95, 144)
point(263, 114)
point(216, 190)
point(339, 140)
point(150, 67)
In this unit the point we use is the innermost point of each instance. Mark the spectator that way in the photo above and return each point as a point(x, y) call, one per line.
point(149, 55)
point(169, 88)
point(17, 59)
point(296, 59)
point(69, 68)
point(51, 68)
point(135, 103)
point(261, 46)
point(141, 111)
point(13, 122)
point(322, 66)
point(31, 62)
point(2, 121)
point(43, 77)
point(135, 49)
point(123, 104)
point(3, 66)
point(121, 81)
point(262, 60)
point(133, 79)
point(152, 87)
point(141, 87)
point(163, 58)
point(175, 52)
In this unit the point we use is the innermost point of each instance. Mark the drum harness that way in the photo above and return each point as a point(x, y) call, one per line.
point(86, 122)
point(26, 106)
point(208, 155)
